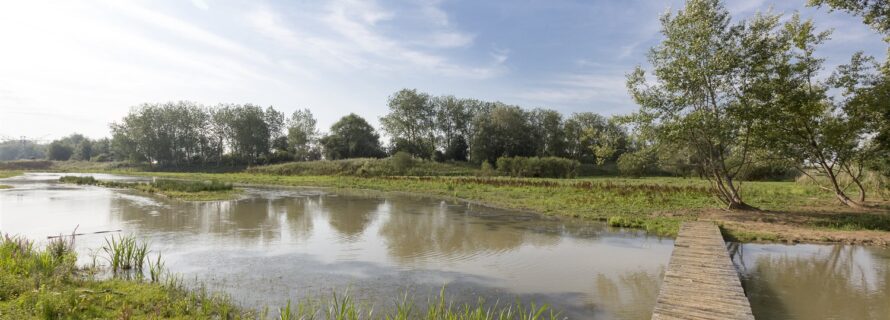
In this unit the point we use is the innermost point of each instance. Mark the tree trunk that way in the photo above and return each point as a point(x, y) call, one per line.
point(729, 194)
point(841, 196)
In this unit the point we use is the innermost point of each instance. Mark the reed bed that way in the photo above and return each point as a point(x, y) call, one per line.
point(125, 253)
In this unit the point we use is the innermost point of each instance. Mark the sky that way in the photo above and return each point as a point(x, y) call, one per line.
point(76, 66)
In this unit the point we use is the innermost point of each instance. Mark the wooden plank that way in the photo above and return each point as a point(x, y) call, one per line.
point(700, 282)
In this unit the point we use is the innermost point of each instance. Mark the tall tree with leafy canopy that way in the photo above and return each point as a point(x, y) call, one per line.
point(352, 137)
point(302, 135)
point(411, 123)
point(708, 92)
point(866, 84)
point(804, 126)
point(503, 131)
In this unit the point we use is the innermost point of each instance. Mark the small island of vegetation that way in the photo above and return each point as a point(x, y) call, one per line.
point(176, 189)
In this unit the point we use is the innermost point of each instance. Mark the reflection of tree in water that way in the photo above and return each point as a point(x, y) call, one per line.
point(350, 215)
point(298, 214)
point(842, 284)
point(629, 296)
point(415, 230)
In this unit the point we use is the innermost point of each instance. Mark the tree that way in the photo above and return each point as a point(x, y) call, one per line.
point(352, 137)
point(411, 123)
point(502, 132)
point(593, 138)
point(58, 151)
point(454, 119)
point(867, 89)
point(83, 151)
point(549, 133)
point(302, 136)
point(708, 89)
point(875, 13)
point(803, 126)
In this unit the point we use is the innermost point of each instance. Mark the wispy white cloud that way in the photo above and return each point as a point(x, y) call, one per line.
point(200, 4)
point(353, 34)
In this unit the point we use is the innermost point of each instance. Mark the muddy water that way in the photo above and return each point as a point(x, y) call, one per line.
point(815, 281)
point(278, 244)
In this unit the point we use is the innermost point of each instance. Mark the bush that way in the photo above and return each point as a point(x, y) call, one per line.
point(368, 167)
point(401, 162)
point(768, 172)
point(636, 164)
point(549, 167)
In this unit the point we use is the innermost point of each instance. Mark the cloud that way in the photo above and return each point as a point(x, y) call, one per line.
point(594, 89)
point(200, 4)
point(350, 34)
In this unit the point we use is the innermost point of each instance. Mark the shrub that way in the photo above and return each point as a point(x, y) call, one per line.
point(367, 167)
point(768, 172)
point(636, 164)
point(401, 162)
point(549, 167)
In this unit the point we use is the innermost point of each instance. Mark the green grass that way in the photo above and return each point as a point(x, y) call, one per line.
point(639, 203)
point(368, 167)
point(177, 189)
point(3, 186)
point(45, 283)
point(9, 173)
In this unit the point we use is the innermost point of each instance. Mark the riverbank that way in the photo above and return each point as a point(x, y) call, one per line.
point(792, 212)
point(46, 282)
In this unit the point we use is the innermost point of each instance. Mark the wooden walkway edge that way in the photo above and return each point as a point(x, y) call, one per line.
point(701, 281)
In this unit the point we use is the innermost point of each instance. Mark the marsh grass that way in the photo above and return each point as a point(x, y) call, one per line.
point(45, 283)
point(125, 253)
point(179, 189)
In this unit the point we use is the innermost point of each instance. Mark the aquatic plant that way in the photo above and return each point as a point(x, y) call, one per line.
point(125, 253)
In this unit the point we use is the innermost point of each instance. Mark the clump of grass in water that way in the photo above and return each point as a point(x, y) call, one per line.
point(79, 180)
point(125, 253)
point(190, 186)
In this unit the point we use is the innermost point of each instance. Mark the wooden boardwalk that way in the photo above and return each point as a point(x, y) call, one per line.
point(701, 281)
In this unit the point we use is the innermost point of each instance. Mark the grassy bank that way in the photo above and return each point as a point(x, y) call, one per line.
point(177, 189)
point(46, 283)
point(792, 211)
point(9, 173)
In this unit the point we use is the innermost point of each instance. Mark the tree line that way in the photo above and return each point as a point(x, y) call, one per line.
point(722, 99)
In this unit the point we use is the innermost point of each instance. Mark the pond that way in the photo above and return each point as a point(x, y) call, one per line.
point(278, 244)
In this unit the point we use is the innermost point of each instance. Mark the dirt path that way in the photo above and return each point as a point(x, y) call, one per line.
point(809, 225)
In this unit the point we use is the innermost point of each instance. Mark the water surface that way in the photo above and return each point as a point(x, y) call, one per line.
point(276, 244)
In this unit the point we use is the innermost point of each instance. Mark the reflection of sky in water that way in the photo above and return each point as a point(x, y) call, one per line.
point(286, 243)
point(280, 243)
point(815, 281)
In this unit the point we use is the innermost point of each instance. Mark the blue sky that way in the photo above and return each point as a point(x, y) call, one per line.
point(76, 66)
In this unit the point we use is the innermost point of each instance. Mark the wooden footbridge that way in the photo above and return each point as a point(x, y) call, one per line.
point(701, 281)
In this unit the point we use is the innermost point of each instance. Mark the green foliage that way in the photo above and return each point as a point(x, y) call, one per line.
point(125, 254)
point(874, 13)
point(401, 162)
point(302, 136)
point(58, 151)
point(365, 167)
point(504, 131)
point(19, 150)
point(548, 167)
point(713, 83)
point(352, 137)
point(411, 123)
point(86, 180)
point(637, 164)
